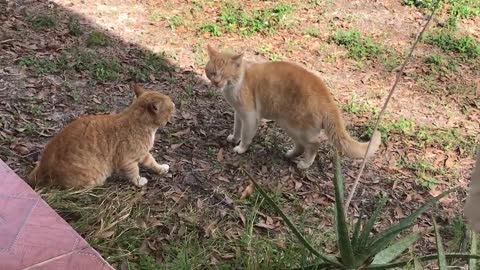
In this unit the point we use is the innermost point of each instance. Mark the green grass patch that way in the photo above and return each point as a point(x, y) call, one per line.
point(466, 46)
point(233, 18)
point(74, 28)
point(212, 29)
point(311, 31)
point(150, 64)
point(97, 39)
point(439, 64)
point(175, 21)
point(43, 21)
point(358, 46)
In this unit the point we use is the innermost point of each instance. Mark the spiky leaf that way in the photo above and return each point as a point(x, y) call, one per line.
point(341, 225)
point(442, 260)
point(472, 263)
point(290, 224)
point(392, 252)
point(363, 239)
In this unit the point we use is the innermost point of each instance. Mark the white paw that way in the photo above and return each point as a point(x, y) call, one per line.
point(163, 169)
point(291, 154)
point(239, 149)
point(230, 138)
point(142, 181)
point(302, 164)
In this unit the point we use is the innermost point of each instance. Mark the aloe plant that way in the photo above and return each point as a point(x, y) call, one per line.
point(361, 249)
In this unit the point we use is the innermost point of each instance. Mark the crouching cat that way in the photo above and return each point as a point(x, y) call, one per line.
point(295, 98)
point(88, 150)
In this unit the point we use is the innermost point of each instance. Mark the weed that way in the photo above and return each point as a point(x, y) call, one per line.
point(42, 21)
point(97, 39)
point(428, 83)
point(211, 93)
point(74, 28)
point(456, 230)
point(314, 32)
point(211, 28)
point(36, 110)
point(358, 47)
point(155, 16)
point(150, 64)
point(40, 65)
point(105, 70)
point(466, 46)
point(464, 9)
point(175, 21)
point(424, 171)
point(391, 60)
point(439, 64)
point(267, 21)
point(356, 106)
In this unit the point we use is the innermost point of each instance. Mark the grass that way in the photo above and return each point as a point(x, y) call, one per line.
point(466, 46)
point(233, 18)
point(211, 28)
point(313, 32)
point(175, 21)
point(358, 46)
point(439, 64)
point(43, 21)
point(101, 69)
point(74, 28)
point(97, 39)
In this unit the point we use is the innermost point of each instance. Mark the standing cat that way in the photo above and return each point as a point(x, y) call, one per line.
point(88, 150)
point(285, 92)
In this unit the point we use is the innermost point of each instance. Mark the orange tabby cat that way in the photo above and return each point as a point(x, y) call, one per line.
point(88, 150)
point(285, 92)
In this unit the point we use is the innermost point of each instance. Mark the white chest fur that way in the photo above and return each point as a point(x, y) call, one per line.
point(152, 140)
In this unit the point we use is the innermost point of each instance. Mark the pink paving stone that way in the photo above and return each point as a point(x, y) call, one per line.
point(34, 237)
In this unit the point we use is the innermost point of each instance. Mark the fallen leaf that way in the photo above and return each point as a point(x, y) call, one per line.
point(265, 226)
point(105, 234)
point(220, 155)
point(247, 191)
point(240, 214)
point(298, 185)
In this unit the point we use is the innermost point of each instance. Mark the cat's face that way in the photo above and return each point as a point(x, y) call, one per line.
point(157, 107)
point(222, 68)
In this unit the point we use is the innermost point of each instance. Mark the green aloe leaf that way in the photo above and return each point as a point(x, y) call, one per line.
point(442, 261)
point(472, 263)
point(363, 239)
point(292, 227)
point(382, 240)
point(408, 221)
point(356, 233)
point(417, 264)
point(341, 224)
point(392, 252)
point(431, 257)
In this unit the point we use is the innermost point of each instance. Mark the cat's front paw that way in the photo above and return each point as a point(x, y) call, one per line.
point(231, 138)
point(163, 169)
point(239, 149)
point(302, 164)
point(142, 181)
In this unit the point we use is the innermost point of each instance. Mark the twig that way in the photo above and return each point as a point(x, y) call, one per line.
point(394, 86)
point(6, 40)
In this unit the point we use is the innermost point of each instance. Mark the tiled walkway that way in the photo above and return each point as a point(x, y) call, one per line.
point(34, 236)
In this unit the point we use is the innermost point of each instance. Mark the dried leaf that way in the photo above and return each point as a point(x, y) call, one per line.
point(220, 155)
point(247, 191)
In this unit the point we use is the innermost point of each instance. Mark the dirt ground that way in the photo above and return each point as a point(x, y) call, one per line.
point(61, 59)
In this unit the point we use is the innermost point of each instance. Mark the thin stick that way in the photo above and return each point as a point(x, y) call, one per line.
point(397, 79)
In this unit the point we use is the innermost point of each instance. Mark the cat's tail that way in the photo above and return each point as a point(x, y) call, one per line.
point(34, 178)
point(337, 134)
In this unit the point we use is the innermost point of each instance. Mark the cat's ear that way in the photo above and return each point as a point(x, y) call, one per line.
point(237, 59)
point(211, 51)
point(154, 107)
point(137, 89)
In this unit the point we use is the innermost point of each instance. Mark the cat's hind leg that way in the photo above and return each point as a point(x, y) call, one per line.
point(150, 162)
point(312, 143)
point(298, 144)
